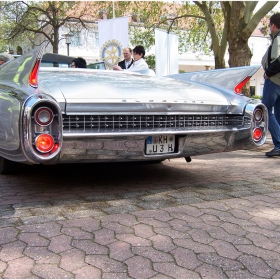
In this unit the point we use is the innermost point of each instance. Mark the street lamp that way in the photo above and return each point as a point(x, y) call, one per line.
point(67, 41)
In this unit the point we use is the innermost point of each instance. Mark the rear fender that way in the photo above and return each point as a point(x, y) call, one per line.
point(228, 78)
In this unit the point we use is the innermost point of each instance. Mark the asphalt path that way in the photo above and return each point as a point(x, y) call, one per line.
point(216, 217)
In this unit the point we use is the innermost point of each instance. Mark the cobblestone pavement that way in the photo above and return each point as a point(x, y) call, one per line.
point(216, 217)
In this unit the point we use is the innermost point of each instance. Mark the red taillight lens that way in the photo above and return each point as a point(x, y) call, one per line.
point(257, 134)
point(33, 78)
point(238, 88)
point(258, 115)
point(43, 116)
point(44, 143)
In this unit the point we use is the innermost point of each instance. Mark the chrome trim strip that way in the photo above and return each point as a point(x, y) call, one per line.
point(105, 124)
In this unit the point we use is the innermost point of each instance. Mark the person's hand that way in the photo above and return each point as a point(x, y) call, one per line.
point(266, 77)
point(116, 67)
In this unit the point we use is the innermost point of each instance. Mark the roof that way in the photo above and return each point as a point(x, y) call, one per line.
point(53, 57)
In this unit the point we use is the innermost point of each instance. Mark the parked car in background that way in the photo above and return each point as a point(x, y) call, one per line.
point(56, 115)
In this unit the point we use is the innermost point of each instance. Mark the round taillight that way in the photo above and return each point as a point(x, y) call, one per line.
point(44, 143)
point(258, 115)
point(43, 116)
point(257, 134)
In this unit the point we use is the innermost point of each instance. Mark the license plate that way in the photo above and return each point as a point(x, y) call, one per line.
point(160, 144)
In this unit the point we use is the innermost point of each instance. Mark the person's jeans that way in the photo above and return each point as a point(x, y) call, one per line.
point(271, 99)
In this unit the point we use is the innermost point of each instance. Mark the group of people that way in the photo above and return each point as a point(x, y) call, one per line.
point(128, 64)
point(132, 64)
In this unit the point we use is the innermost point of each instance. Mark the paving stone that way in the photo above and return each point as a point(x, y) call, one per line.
point(104, 236)
point(89, 247)
point(152, 254)
point(3, 267)
point(174, 271)
point(233, 229)
point(261, 241)
point(200, 236)
point(120, 251)
point(186, 258)
point(257, 266)
point(77, 233)
point(51, 271)
point(224, 263)
point(160, 276)
point(143, 230)
point(121, 209)
point(210, 272)
point(19, 268)
point(33, 239)
point(140, 267)
point(229, 218)
point(275, 264)
point(84, 214)
point(194, 246)
point(221, 234)
point(264, 223)
point(123, 219)
point(10, 222)
point(162, 243)
point(171, 233)
point(276, 275)
point(133, 240)
point(208, 226)
point(115, 276)
point(179, 225)
point(258, 252)
point(213, 205)
point(117, 228)
point(87, 272)
point(153, 222)
point(42, 255)
point(11, 251)
point(47, 229)
point(185, 217)
point(241, 274)
point(150, 205)
point(209, 218)
point(60, 243)
point(41, 219)
point(7, 235)
point(181, 236)
point(156, 214)
point(106, 264)
point(72, 260)
point(88, 224)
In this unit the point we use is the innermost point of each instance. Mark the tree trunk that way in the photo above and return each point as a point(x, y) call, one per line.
point(219, 62)
point(55, 40)
point(240, 55)
point(239, 52)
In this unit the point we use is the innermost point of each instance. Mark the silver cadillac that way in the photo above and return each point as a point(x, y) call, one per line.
point(55, 115)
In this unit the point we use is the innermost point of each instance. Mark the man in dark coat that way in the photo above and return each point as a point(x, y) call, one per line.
point(127, 62)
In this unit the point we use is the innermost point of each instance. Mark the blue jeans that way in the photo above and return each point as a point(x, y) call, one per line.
point(271, 99)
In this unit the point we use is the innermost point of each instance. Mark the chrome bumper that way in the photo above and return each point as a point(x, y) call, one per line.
point(132, 148)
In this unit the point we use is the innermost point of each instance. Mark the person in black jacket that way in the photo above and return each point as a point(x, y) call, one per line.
point(127, 62)
point(271, 89)
point(79, 63)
